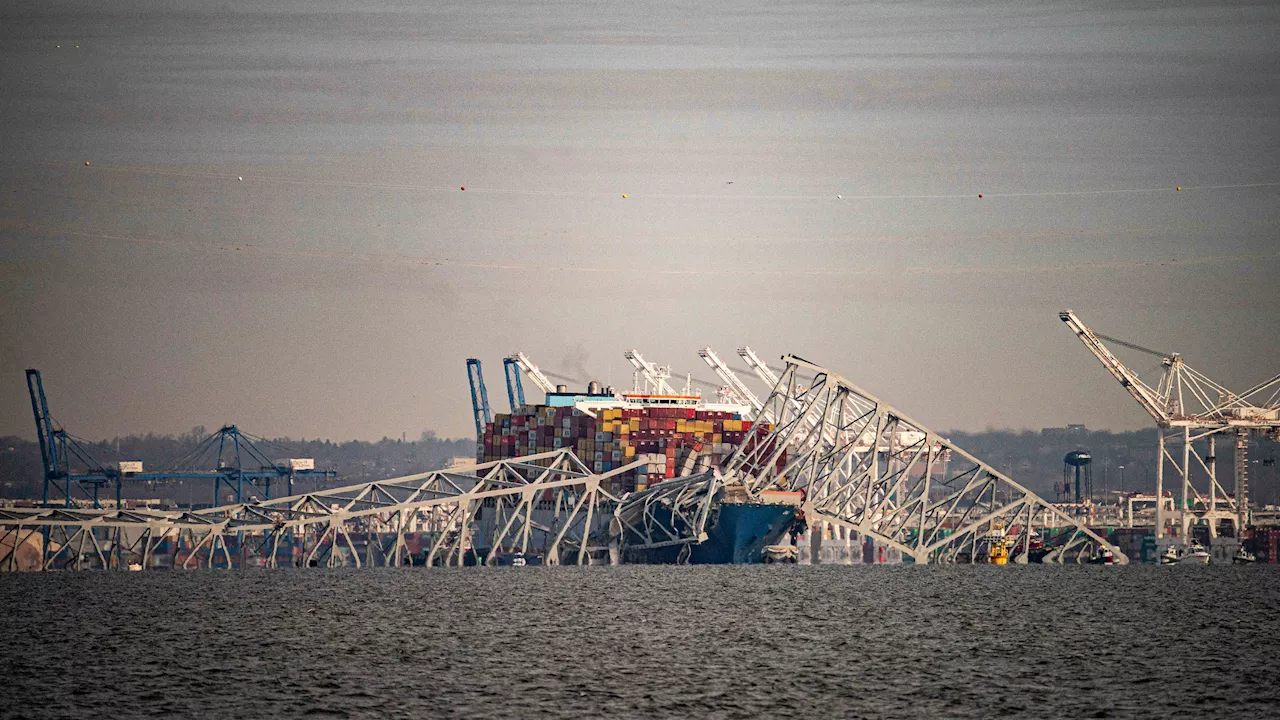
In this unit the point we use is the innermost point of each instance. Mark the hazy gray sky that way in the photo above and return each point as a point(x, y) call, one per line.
point(336, 290)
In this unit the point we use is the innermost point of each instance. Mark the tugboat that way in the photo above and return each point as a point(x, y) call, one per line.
point(1195, 555)
point(1244, 557)
point(1169, 556)
point(997, 545)
point(781, 554)
point(1036, 550)
point(1103, 556)
point(517, 559)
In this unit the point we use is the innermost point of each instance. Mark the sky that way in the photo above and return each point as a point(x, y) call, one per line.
point(253, 213)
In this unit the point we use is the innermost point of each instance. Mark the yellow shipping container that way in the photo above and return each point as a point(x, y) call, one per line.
point(630, 451)
point(634, 423)
point(716, 437)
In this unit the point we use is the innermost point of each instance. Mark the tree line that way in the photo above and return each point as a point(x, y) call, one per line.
point(1122, 461)
point(354, 461)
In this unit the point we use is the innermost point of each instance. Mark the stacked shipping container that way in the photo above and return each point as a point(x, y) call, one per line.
point(1265, 543)
point(672, 442)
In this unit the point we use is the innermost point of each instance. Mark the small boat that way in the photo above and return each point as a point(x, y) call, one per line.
point(516, 558)
point(779, 555)
point(1103, 556)
point(998, 554)
point(1169, 556)
point(1244, 557)
point(137, 567)
point(997, 544)
point(1195, 555)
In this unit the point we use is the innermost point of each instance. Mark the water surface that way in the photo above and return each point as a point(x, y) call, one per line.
point(640, 642)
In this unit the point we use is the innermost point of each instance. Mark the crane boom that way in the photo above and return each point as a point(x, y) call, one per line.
point(1146, 397)
point(657, 376)
point(1131, 346)
point(44, 425)
point(515, 387)
point(737, 386)
point(523, 362)
point(479, 397)
point(762, 371)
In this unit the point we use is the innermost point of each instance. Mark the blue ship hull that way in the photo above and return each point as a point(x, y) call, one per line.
point(738, 536)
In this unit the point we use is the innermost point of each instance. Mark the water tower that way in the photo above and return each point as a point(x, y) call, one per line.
point(1078, 462)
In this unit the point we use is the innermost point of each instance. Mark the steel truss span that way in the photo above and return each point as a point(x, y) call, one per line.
point(674, 512)
point(548, 507)
point(867, 467)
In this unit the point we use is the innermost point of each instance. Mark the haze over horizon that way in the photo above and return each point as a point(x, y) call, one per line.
point(270, 230)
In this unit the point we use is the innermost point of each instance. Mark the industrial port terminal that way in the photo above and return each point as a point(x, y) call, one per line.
point(815, 470)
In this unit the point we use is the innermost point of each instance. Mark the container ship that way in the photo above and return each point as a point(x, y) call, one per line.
point(673, 436)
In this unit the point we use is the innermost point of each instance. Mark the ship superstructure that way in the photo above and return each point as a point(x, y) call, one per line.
point(673, 433)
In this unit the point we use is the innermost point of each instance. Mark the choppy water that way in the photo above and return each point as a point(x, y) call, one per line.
point(645, 642)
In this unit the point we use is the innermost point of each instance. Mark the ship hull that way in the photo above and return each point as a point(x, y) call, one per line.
point(738, 536)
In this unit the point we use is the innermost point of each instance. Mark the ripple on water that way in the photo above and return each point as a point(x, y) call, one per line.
point(644, 642)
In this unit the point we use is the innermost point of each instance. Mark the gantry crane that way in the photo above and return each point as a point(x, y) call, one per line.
point(479, 398)
point(762, 371)
point(58, 448)
point(1189, 407)
point(238, 462)
point(740, 391)
point(523, 363)
point(515, 387)
point(655, 375)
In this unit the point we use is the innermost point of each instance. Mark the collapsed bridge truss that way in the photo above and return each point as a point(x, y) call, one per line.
point(867, 467)
point(861, 464)
point(549, 506)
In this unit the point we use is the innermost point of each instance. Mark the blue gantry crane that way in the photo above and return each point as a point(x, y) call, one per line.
point(239, 464)
point(57, 448)
point(479, 397)
point(236, 459)
point(515, 388)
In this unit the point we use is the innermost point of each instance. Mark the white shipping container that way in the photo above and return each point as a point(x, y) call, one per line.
point(297, 463)
point(130, 467)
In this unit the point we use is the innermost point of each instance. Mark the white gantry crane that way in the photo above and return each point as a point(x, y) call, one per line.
point(762, 371)
point(740, 391)
point(526, 365)
point(655, 375)
point(1189, 408)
